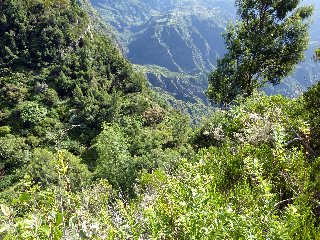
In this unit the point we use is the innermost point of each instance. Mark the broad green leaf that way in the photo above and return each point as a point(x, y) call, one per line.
point(46, 230)
point(57, 234)
point(5, 210)
point(59, 218)
point(4, 228)
point(24, 197)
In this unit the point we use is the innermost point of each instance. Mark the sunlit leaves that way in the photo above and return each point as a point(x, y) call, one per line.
point(263, 47)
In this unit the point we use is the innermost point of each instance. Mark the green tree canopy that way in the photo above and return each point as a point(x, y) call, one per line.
point(317, 54)
point(264, 46)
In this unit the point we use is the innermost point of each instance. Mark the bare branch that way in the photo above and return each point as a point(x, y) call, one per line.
point(283, 201)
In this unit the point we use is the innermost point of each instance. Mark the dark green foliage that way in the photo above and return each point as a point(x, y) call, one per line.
point(77, 68)
point(34, 42)
point(264, 46)
point(317, 54)
point(312, 103)
point(87, 151)
point(61, 80)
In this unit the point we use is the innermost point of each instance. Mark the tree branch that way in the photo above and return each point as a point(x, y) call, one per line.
point(284, 201)
point(300, 139)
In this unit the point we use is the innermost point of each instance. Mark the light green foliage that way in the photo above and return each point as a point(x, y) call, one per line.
point(254, 121)
point(113, 161)
point(249, 172)
point(4, 130)
point(311, 104)
point(223, 194)
point(63, 213)
point(122, 150)
point(43, 168)
point(31, 112)
point(264, 46)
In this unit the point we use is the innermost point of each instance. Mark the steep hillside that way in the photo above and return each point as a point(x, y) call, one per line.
point(185, 37)
point(63, 83)
point(183, 41)
point(89, 151)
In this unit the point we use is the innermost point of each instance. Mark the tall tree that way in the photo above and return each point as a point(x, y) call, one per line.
point(264, 46)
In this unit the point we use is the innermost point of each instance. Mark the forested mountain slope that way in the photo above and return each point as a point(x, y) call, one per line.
point(89, 151)
point(62, 84)
point(184, 37)
point(180, 37)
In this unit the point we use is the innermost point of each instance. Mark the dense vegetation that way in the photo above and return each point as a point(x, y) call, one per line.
point(182, 39)
point(64, 86)
point(88, 151)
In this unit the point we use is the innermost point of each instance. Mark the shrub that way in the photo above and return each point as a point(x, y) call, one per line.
point(4, 130)
point(31, 112)
point(112, 158)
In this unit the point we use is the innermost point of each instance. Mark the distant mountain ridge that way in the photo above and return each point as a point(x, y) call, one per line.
point(180, 37)
point(182, 41)
point(176, 43)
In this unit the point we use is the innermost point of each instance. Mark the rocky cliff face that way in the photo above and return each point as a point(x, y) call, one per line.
point(181, 41)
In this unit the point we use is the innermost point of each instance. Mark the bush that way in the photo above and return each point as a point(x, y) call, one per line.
point(312, 102)
point(14, 155)
point(4, 130)
point(112, 158)
point(45, 167)
point(31, 112)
